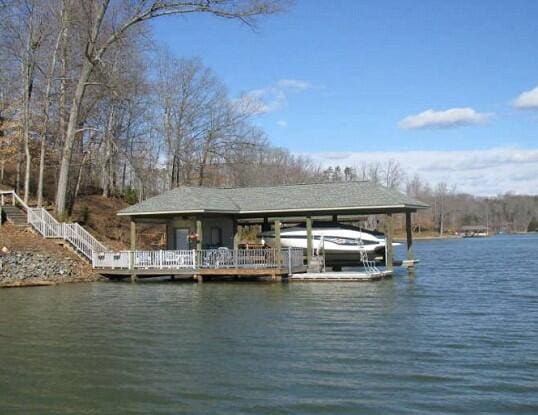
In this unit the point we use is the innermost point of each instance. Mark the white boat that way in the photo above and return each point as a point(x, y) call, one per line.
point(341, 244)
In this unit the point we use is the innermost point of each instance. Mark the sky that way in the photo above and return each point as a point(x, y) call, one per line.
point(447, 88)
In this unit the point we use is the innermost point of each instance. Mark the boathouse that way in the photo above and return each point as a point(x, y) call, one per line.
point(200, 220)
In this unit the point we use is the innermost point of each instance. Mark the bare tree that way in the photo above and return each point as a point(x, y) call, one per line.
point(97, 44)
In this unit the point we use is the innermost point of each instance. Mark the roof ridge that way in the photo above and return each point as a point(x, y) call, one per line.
point(275, 185)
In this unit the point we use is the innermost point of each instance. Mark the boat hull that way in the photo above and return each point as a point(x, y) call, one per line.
point(341, 246)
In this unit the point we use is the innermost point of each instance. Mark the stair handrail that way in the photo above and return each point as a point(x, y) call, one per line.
point(81, 239)
point(89, 237)
point(48, 226)
point(45, 223)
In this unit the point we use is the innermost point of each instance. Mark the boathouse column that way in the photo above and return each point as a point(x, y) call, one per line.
point(133, 248)
point(277, 235)
point(388, 242)
point(237, 235)
point(277, 244)
point(133, 234)
point(199, 232)
point(309, 244)
point(409, 233)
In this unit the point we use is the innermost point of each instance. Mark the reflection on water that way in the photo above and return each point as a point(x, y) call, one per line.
point(459, 337)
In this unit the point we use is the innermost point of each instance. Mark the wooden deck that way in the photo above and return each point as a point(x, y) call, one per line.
point(228, 272)
point(340, 276)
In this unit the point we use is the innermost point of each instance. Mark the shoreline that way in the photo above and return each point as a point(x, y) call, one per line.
point(41, 282)
point(427, 238)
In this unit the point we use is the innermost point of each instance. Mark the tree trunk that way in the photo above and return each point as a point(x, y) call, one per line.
point(46, 114)
point(63, 177)
point(18, 171)
point(107, 179)
point(28, 74)
point(85, 73)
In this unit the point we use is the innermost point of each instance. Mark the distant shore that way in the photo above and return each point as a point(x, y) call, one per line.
point(402, 238)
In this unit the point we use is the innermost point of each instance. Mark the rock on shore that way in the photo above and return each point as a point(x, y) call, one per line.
point(32, 268)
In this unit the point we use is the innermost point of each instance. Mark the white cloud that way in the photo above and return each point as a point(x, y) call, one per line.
point(480, 172)
point(527, 100)
point(282, 123)
point(275, 97)
point(454, 117)
point(297, 84)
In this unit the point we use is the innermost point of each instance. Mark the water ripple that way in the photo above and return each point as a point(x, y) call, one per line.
point(459, 337)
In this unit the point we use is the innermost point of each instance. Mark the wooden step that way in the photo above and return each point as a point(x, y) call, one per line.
point(15, 215)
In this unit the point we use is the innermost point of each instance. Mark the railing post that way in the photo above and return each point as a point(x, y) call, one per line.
point(161, 258)
point(236, 257)
point(131, 261)
point(193, 259)
point(289, 261)
point(13, 198)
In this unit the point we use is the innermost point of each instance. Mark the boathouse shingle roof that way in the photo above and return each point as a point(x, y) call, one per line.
point(357, 195)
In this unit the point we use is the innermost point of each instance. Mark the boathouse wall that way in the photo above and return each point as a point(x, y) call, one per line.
point(211, 226)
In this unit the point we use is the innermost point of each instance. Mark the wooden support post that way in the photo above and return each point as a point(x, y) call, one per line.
point(237, 235)
point(236, 239)
point(388, 242)
point(199, 278)
point(133, 234)
point(277, 246)
point(409, 232)
point(1, 211)
point(309, 242)
point(199, 232)
point(277, 234)
point(133, 248)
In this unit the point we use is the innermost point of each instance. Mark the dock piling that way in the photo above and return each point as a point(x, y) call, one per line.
point(409, 233)
point(388, 242)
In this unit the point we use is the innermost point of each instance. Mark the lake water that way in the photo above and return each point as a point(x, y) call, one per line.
point(461, 337)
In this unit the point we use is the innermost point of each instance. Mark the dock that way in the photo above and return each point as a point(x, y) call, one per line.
point(203, 229)
point(340, 276)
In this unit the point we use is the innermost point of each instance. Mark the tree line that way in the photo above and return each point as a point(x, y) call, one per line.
point(89, 102)
point(450, 209)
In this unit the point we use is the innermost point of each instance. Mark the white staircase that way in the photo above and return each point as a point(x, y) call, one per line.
point(43, 222)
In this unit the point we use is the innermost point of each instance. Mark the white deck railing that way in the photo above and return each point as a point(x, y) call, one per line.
point(290, 259)
point(222, 258)
point(112, 260)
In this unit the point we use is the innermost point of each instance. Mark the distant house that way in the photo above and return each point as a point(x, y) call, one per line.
point(470, 231)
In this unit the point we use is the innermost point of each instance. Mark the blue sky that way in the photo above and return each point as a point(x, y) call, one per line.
point(339, 78)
